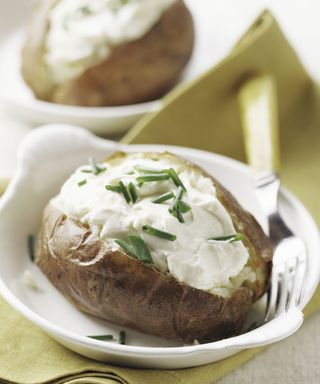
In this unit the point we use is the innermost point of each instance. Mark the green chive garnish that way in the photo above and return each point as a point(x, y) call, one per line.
point(102, 337)
point(133, 192)
point(150, 171)
point(113, 188)
point(121, 188)
point(184, 207)
point(179, 194)
point(235, 237)
point(31, 247)
point(82, 182)
point(175, 207)
point(170, 172)
point(156, 232)
point(128, 248)
point(122, 337)
point(176, 212)
point(175, 178)
point(95, 168)
point(86, 170)
point(85, 10)
point(141, 249)
point(152, 177)
point(137, 248)
point(163, 198)
point(125, 192)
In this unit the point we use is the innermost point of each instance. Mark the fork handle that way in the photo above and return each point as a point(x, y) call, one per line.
point(258, 114)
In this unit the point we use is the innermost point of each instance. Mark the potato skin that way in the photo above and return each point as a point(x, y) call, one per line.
point(135, 72)
point(116, 287)
point(119, 288)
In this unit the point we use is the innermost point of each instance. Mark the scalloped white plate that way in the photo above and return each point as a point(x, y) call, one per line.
point(46, 158)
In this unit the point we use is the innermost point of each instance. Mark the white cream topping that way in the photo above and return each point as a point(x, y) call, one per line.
point(82, 33)
point(215, 266)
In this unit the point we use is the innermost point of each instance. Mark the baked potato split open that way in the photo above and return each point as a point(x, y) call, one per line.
point(107, 282)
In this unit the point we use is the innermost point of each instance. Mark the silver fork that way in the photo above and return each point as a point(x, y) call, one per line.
point(257, 98)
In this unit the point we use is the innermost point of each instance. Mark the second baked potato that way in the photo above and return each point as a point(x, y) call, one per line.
point(60, 66)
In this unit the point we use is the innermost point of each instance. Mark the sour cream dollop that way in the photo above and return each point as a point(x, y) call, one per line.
point(212, 265)
point(82, 33)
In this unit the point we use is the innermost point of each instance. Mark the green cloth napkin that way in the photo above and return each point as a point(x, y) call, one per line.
point(203, 114)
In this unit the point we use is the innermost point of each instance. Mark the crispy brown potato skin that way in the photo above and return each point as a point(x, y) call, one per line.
point(116, 287)
point(135, 72)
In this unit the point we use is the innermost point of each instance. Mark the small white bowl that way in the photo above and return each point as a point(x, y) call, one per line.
point(18, 99)
point(46, 158)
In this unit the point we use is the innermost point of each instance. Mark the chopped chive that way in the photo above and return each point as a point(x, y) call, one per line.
point(113, 188)
point(128, 248)
point(93, 165)
point(121, 188)
point(31, 247)
point(102, 337)
point(125, 192)
point(170, 172)
point(116, 6)
point(152, 177)
point(175, 207)
point(95, 168)
point(85, 10)
point(238, 237)
point(179, 193)
point(86, 170)
point(133, 192)
point(175, 178)
point(150, 171)
point(156, 232)
point(141, 249)
point(163, 198)
point(136, 248)
point(235, 237)
point(176, 211)
point(184, 207)
point(82, 182)
point(122, 337)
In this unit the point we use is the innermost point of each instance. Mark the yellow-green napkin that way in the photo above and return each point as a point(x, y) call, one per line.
point(203, 114)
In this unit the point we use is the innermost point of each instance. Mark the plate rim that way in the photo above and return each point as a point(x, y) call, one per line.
point(118, 111)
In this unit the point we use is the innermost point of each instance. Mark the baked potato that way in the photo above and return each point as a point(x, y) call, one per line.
point(124, 70)
point(153, 242)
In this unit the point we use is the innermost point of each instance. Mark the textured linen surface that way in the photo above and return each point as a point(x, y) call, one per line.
point(207, 116)
point(27, 355)
point(294, 360)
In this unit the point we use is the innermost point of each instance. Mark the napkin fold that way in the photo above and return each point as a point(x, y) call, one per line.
point(202, 114)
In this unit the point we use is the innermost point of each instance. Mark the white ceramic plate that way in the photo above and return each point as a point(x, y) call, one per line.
point(18, 98)
point(46, 158)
